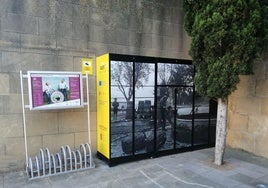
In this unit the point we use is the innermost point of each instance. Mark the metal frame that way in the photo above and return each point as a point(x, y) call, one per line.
point(47, 164)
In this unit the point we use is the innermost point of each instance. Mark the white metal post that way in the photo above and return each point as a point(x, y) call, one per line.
point(88, 110)
point(24, 120)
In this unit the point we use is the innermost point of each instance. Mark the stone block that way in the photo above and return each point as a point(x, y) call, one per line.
point(148, 26)
point(157, 27)
point(80, 138)
point(80, 29)
point(4, 84)
point(259, 70)
point(15, 147)
point(93, 121)
point(94, 141)
point(12, 6)
point(238, 122)
point(72, 44)
point(12, 104)
point(70, 122)
point(146, 41)
point(82, 10)
point(54, 142)
point(48, 62)
point(264, 106)
point(96, 33)
point(34, 145)
point(122, 37)
point(64, 10)
point(169, 29)
point(176, 44)
point(16, 61)
point(243, 140)
point(41, 123)
point(3, 99)
point(257, 124)
point(47, 26)
point(167, 43)
point(157, 42)
point(19, 23)
point(11, 61)
point(245, 88)
point(260, 146)
point(14, 78)
point(260, 90)
point(29, 61)
point(37, 41)
point(43, 8)
point(11, 125)
point(245, 105)
point(9, 41)
point(58, 63)
point(11, 163)
point(28, 7)
point(93, 102)
point(64, 29)
point(2, 147)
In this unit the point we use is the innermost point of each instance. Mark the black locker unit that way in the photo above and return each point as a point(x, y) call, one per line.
point(148, 107)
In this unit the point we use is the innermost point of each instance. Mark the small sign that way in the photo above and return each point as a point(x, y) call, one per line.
point(87, 66)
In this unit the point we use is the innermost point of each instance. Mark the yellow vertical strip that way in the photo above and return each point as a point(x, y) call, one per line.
point(103, 107)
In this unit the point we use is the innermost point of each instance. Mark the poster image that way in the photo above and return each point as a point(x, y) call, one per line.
point(55, 90)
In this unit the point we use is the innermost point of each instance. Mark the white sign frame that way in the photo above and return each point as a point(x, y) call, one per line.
point(55, 90)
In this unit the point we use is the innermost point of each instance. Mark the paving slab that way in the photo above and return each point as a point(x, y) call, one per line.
point(187, 170)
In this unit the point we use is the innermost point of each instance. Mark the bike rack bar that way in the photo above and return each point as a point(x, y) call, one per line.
point(47, 164)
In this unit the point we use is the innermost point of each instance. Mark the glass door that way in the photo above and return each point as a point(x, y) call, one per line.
point(144, 81)
point(174, 106)
point(184, 117)
point(121, 117)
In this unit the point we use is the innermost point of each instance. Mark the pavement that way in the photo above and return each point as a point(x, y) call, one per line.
point(184, 170)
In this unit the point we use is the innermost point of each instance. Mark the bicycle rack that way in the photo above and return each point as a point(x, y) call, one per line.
point(47, 164)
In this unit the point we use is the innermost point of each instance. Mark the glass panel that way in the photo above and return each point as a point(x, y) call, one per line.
point(165, 118)
point(144, 102)
point(201, 120)
point(183, 131)
point(175, 74)
point(121, 108)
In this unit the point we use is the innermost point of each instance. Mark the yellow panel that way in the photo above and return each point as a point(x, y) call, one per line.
point(103, 107)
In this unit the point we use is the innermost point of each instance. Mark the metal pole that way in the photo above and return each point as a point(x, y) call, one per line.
point(24, 120)
point(88, 110)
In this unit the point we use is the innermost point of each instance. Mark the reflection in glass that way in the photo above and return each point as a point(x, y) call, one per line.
point(183, 132)
point(121, 108)
point(140, 125)
point(165, 118)
point(144, 102)
point(201, 120)
point(175, 74)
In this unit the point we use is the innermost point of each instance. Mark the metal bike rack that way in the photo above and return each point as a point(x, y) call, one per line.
point(47, 164)
point(64, 161)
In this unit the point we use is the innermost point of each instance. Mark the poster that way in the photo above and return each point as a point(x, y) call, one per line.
point(55, 90)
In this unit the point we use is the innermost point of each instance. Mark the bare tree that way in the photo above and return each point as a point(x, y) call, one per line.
point(126, 79)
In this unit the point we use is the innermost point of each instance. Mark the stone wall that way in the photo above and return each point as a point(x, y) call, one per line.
point(248, 112)
point(53, 35)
